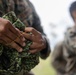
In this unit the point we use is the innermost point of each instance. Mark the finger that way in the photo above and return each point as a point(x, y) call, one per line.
point(11, 35)
point(28, 36)
point(16, 46)
point(21, 35)
point(38, 46)
point(35, 45)
point(18, 39)
point(14, 30)
point(2, 41)
point(5, 39)
point(12, 44)
point(33, 51)
point(32, 30)
point(20, 42)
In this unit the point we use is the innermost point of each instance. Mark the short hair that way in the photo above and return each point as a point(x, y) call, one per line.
point(72, 8)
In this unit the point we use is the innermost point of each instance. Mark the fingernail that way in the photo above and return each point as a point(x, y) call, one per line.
point(20, 50)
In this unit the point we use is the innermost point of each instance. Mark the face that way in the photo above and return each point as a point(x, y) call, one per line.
point(70, 37)
point(74, 16)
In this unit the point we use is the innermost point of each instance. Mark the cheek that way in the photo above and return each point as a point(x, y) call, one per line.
point(72, 42)
point(74, 14)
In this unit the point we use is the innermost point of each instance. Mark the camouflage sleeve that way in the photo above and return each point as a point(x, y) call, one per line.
point(6, 6)
point(57, 58)
point(1, 13)
point(37, 25)
point(1, 8)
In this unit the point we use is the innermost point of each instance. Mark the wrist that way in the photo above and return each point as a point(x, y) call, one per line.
point(44, 53)
point(44, 43)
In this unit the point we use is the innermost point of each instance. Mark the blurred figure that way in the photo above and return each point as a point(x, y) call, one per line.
point(64, 54)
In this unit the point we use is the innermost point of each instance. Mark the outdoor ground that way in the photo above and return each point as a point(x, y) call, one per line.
point(44, 68)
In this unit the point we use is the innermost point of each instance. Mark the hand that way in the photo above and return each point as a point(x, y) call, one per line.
point(36, 37)
point(9, 35)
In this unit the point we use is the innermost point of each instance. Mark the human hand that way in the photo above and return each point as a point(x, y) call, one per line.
point(38, 42)
point(11, 36)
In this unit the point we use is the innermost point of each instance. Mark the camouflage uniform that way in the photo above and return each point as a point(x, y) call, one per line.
point(25, 11)
point(64, 54)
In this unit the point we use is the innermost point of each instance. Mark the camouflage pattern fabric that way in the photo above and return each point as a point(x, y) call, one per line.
point(12, 62)
point(25, 11)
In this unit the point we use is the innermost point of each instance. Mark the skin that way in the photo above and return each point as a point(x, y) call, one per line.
point(74, 16)
point(8, 33)
point(39, 42)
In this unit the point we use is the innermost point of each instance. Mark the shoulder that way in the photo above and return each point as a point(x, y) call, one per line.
point(58, 48)
point(59, 45)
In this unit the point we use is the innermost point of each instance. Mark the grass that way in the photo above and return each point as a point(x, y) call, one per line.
point(44, 67)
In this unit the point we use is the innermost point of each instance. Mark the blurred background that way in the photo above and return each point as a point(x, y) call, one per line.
point(55, 19)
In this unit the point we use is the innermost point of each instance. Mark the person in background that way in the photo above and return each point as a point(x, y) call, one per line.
point(64, 54)
point(25, 11)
